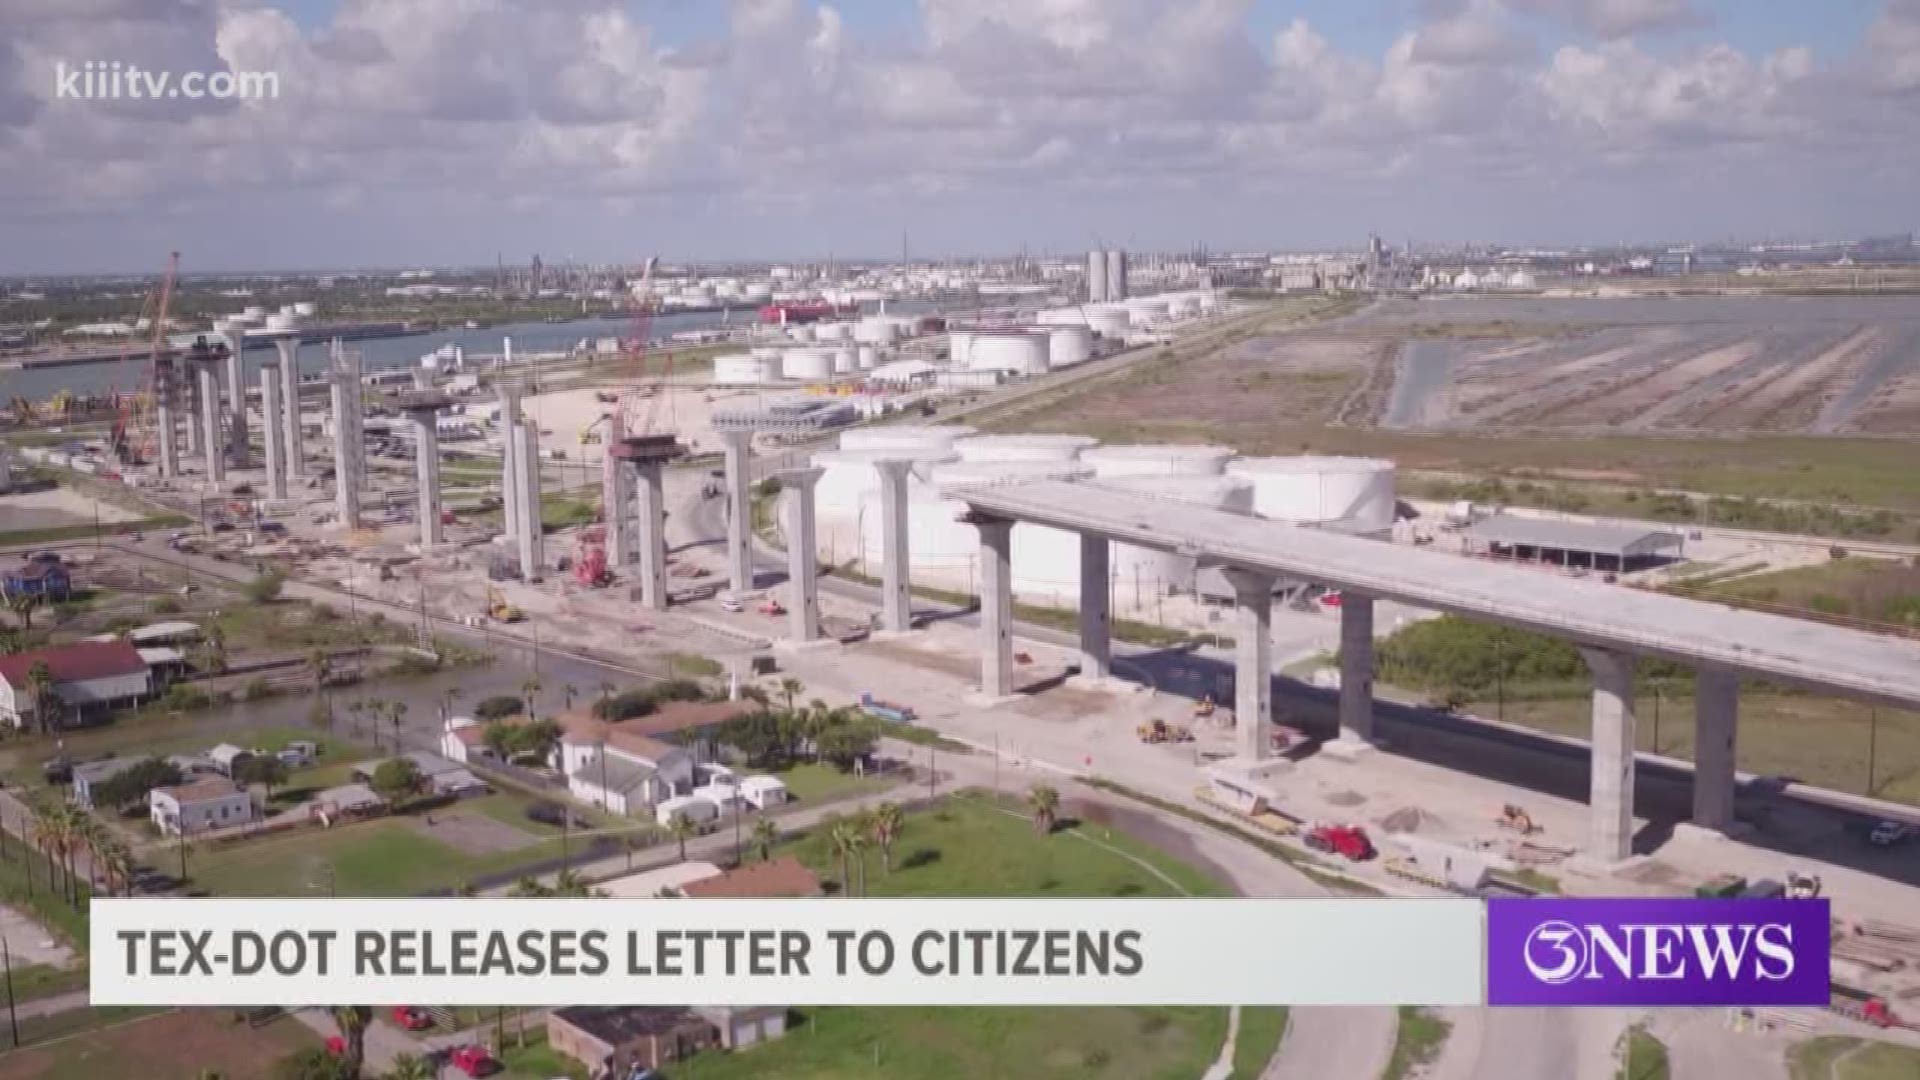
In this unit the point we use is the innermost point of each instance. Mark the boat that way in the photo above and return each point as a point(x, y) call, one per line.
point(803, 311)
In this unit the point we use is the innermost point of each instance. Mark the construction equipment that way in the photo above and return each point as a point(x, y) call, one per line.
point(1159, 731)
point(771, 608)
point(1517, 819)
point(133, 435)
point(499, 610)
point(590, 564)
point(1855, 1004)
point(473, 1060)
point(1802, 886)
point(1204, 707)
point(1349, 841)
point(885, 710)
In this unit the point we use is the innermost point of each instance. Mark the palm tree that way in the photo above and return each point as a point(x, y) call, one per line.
point(396, 712)
point(41, 682)
point(44, 832)
point(765, 835)
point(214, 650)
point(885, 828)
point(568, 883)
point(22, 604)
point(10, 642)
point(791, 688)
point(840, 837)
point(376, 708)
point(860, 834)
point(529, 687)
point(682, 829)
point(567, 691)
point(1044, 801)
point(352, 1022)
point(605, 690)
point(527, 887)
point(409, 1067)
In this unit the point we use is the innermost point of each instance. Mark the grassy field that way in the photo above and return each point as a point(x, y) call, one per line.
point(811, 783)
point(1261, 1030)
point(1416, 1042)
point(1642, 1057)
point(180, 1042)
point(1871, 590)
point(1839, 1057)
point(535, 1060)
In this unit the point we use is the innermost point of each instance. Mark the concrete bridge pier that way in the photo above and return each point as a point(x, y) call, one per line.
point(896, 598)
point(212, 450)
point(1716, 703)
point(1610, 796)
point(996, 609)
point(1356, 677)
point(270, 430)
point(739, 481)
point(1253, 666)
point(651, 539)
point(289, 349)
point(1096, 616)
point(803, 606)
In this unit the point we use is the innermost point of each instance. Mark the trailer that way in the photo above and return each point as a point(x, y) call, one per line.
point(885, 710)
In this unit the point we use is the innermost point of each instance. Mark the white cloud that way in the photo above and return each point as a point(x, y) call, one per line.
point(1621, 18)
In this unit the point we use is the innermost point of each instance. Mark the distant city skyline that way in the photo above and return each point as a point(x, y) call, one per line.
point(439, 133)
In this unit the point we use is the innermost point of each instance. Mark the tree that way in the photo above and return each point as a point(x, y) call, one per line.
point(860, 833)
point(765, 835)
point(447, 698)
point(313, 1063)
point(1044, 801)
point(352, 1021)
point(791, 688)
point(22, 605)
point(396, 712)
point(885, 827)
point(499, 707)
point(320, 663)
point(40, 682)
point(131, 786)
point(500, 738)
point(397, 779)
point(537, 739)
point(528, 887)
point(567, 692)
point(267, 770)
point(842, 839)
point(682, 829)
point(843, 740)
point(265, 587)
point(213, 650)
point(409, 1067)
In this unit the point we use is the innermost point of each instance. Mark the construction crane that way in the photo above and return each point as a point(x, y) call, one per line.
point(134, 431)
point(639, 404)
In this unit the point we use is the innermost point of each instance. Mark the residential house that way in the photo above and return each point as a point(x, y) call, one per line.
point(744, 1025)
point(46, 579)
point(614, 1041)
point(785, 876)
point(442, 777)
point(464, 740)
point(172, 633)
point(89, 774)
point(764, 792)
point(213, 803)
point(87, 676)
point(691, 725)
point(618, 769)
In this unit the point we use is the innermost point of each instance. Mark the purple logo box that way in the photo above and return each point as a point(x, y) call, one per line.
point(1546, 951)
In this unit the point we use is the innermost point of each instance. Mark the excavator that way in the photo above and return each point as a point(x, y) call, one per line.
point(1516, 818)
point(1159, 731)
point(499, 610)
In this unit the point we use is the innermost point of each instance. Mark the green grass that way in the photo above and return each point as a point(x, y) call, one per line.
point(86, 532)
point(1835, 1057)
point(385, 857)
point(1416, 1042)
point(27, 884)
point(1261, 1029)
point(1643, 1057)
point(509, 807)
point(939, 1044)
point(119, 1042)
point(34, 981)
point(812, 783)
point(1874, 590)
point(536, 1060)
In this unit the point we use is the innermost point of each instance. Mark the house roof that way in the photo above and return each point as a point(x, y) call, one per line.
point(763, 783)
point(647, 884)
point(227, 752)
point(349, 797)
point(618, 1025)
point(686, 715)
point(1598, 538)
point(581, 729)
point(784, 876)
point(471, 735)
point(94, 772)
point(208, 790)
point(619, 774)
point(77, 662)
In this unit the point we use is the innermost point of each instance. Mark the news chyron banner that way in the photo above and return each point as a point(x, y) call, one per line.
point(844, 951)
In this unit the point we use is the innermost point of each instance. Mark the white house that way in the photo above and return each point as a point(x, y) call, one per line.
point(694, 809)
point(764, 792)
point(463, 739)
point(199, 806)
point(86, 675)
point(617, 770)
point(721, 793)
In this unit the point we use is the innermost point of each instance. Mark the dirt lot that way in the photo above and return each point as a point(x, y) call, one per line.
point(185, 1042)
point(56, 508)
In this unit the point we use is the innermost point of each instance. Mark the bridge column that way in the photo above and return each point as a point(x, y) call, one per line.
point(212, 451)
point(896, 598)
point(1253, 668)
point(803, 607)
point(1096, 622)
point(1610, 797)
point(996, 607)
point(650, 539)
point(272, 431)
point(1716, 705)
point(1356, 676)
point(289, 349)
point(739, 483)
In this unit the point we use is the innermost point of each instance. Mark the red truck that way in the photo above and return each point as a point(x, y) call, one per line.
point(473, 1060)
point(411, 1018)
point(1347, 840)
point(1860, 1005)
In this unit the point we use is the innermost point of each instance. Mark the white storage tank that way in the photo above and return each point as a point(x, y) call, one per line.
point(944, 550)
point(807, 364)
point(741, 369)
point(866, 357)
point(1109, 320)
point(1062, 316)
point(911, 437)
point(1068, 345)
point(959, 347)
point(800, 331)
point(833, 331)
point(980, 449)
point(1021, 352)
point(877, 330)
point(305, 309)
point(1313, 490)
point(843, 359)
point(1142, 574)
point(1156, 459)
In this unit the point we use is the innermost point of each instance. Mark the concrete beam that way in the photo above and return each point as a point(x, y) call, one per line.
point(896, 596)
point(651, 539)
point(236, 403)
point(803, 606)
point(1356, 674)
point(739, 489)
point(190, 408)
point(1716, 704)
point(996, 607)
point(616, 494)
point(1096, 620)
point(1610, 796)
point(426, 463)
point(270, 429)
point(1253, 667)
point(289, 420)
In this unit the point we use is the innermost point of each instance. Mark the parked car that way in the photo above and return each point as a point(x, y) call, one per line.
point(732, 603)
point(1890, 834)
point(411, 1018)
point(473, 1060)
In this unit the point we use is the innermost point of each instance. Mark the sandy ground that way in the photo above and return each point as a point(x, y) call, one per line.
point(1795, 389)
point(29, 942)
point(55, 508)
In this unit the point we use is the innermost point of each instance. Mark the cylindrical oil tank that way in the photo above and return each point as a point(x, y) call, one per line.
point(1155, 459)
point(1096, 276)
point(848, 479)
point(1208, 300)
point(865, 357)
point(843, 358)
point(944, 550)
point(1111, 321)
point(982, 449)
point(959, 347)
point(807, 364)
point(1021, 352)
point(306, 309)
point(1068, 345)
point(877, 330)
point(800, 331)
point(282, 320)
point(833, 331)
point(1312, 490)
point(1141, 574)
point(1116, 275)
point(1075, 315)
point(739, 369)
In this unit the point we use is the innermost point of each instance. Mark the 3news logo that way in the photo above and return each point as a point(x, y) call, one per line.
point(1628, 952)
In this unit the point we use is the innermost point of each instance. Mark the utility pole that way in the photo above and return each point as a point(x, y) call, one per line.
point(13, 1019)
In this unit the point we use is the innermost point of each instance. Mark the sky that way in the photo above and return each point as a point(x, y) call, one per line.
point(454, 132)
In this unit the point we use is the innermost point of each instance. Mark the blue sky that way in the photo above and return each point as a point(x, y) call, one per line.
point(446, 130)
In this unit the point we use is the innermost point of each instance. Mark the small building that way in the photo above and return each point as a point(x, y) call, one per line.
point(698, 811)
point(165, 664)
point(174, 632)
point(615, 1040)
point(721, 793)
point(197, 807)
point(623, 768)
point(345, 802)
point(441, 776)
point(739, 1026)
point(87, 676)
point(46, 579)
point(783, 877)
point(464, 739)
point(764, 792)
point(618, 784)
point(89, 774)
point(229, 759)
